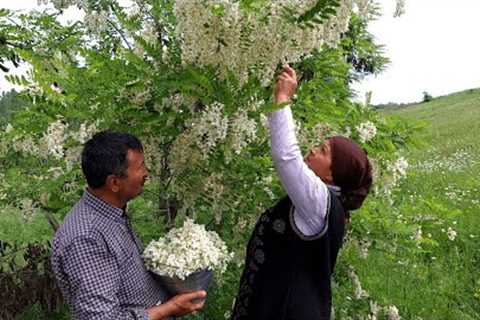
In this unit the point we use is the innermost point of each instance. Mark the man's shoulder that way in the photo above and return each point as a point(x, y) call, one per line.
point(80, 223)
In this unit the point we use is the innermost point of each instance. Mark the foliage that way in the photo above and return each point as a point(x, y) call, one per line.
point(7, 45)
point(361, 51)
point(32, 283)
point(196, 94)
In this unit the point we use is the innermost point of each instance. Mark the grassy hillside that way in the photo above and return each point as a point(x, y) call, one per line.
point(424, 245)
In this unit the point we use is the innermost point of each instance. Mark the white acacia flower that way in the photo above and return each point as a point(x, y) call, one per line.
point(28, 208)
point(210, 128)
point(366, 131)
point(186, 250)
point(55, 137)
point(85, 132)
point(242, 130)
point(96, 21)
point(219, 33)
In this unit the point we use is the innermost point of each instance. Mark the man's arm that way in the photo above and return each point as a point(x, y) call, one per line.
point(306, 190)
point(94, 281)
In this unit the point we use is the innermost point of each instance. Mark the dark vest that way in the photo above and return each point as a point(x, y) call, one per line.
point(287, 275)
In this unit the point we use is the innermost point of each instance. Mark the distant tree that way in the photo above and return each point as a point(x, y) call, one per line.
point(427, 96)
point(10, 101)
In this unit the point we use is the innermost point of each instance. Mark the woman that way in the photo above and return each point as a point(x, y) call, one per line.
point(293, 249)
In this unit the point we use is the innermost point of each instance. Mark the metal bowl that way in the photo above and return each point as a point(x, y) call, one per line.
point(199, 280)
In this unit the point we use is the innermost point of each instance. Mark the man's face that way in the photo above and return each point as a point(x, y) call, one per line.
point(319, 159)
point(136, 175)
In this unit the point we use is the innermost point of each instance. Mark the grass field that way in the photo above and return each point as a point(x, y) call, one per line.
point(424, 246)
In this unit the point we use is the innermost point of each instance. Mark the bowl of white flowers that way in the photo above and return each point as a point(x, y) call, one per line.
point(184, 260)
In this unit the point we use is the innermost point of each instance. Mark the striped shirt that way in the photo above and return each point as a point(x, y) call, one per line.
point(97, 262)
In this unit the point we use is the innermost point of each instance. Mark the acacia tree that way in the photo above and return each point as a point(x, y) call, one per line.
point(193, 80)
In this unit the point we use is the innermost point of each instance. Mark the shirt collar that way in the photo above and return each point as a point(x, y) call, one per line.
point(335, 189)
point(103, 207)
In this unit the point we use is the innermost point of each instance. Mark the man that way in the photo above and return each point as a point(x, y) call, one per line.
point(292, 252)
point(96, 255)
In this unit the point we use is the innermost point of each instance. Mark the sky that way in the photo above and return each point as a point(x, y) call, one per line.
point(433, 48)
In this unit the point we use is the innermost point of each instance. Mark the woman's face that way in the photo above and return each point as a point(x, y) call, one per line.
point(319, 159)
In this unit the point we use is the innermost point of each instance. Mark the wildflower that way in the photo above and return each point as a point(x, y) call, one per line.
point(400, 167)
point(392, 313)
point(374, 310)
point(417, 236)
point(364, 246)
point(451, 234)
point(359, 292)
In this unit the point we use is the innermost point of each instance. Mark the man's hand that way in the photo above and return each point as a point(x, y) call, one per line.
point(178, 306)
point(286, 85)
point(186, 303)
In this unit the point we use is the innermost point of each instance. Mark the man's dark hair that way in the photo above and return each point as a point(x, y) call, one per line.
point(105, 154)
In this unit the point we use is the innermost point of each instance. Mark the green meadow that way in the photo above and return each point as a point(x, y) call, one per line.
point(419, 250)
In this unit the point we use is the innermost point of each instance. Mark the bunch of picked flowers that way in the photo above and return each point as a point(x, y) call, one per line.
point(186, 251)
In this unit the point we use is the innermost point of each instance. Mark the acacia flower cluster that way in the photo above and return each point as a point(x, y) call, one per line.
point(211, 128)
point(220, 33)
point(366, 131)
point(243, 131)
point(186, 250)
point(55, 137)
point(85, 132)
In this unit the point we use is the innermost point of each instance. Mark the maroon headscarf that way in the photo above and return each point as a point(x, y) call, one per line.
point(351, 171)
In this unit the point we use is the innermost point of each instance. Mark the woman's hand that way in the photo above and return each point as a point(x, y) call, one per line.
point(286, 85)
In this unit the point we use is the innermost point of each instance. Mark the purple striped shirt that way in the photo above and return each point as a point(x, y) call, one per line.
point(97, 261)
